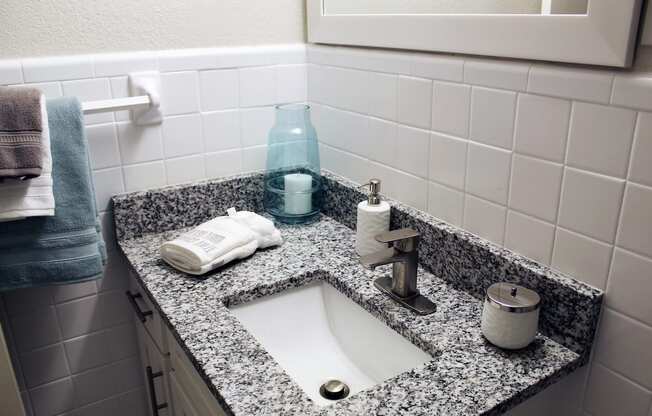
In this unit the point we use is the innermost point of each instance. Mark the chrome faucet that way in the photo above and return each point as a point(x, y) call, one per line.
point(404, 257)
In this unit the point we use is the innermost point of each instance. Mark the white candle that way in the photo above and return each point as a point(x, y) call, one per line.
point(298, 198)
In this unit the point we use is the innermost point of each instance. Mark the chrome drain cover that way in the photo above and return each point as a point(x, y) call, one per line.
point(334, 390)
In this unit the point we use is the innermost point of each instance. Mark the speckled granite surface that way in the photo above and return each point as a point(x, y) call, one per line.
point(466, 376)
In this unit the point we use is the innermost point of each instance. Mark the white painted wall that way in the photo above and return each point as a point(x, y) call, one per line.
point(54, 27)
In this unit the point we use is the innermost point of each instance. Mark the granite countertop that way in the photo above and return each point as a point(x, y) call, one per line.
point(467, 376)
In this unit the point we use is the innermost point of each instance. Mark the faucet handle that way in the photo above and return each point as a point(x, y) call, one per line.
point(404, 239)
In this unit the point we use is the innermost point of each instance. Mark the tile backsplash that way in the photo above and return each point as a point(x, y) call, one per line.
point(550, 161)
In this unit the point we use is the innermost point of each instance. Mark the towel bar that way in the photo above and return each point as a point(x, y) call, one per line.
point(116, 104)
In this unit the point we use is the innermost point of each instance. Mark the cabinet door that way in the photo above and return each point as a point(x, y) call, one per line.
point(182, 405)
point(146, 315)
point(155, 372)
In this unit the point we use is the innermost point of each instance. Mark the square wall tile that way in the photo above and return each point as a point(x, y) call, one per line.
point(641, 165)
point(255, 124)
point(499, 74)
point(64, 293)
point(49, 89)
point(448, 160)
point(568, 82)
point(36, 329)
point(438, 67)
point(492, 116)
point(412, 150)
point(414, 101)
point(139, 143)
point(409, 189)
point(600, 138)
point(53, 398)
point(108, 182)
point(120, 89)
point(103, 382)
point(257, 86)
point(535, 187)
point(619, 340)
point(382, 93)
point(219, 89)
point(382, 140)
point(90, 90)
point(604, 385)
point(345, 93)
point(590, 204)
point(144, 176)
point(349, 132)
point(291, 83)
point(636, 227)
point(44, 365)
point(123, 341)
point(446, 204)
point(11, 72)
point(27, 300)
point(79, 317)
point(352, 167)
point(450, 108)
point(487, 172)
point(254, 158)
point(582, 257)
point(484, 219)
point(114, 308)
point(529, 236)
point(221, 130)
point(103, 146)
point(179, 93)
point(542, 126)
point(630, 285)
point(185, 169)
point(182, 135)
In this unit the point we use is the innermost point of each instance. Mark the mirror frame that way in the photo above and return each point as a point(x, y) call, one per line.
point(604, 36)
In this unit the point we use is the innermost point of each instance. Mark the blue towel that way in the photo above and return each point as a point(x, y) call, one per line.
point(68, 247)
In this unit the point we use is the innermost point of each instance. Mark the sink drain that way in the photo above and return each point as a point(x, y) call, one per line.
point(334, 390)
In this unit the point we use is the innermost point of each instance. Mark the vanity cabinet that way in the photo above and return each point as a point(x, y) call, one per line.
point(174, 388)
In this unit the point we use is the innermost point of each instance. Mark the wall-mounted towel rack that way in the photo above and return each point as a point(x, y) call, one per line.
point(116, 104)
point(144, 102)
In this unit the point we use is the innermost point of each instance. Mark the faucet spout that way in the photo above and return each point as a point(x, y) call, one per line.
point(404, 257)
point(386, 256)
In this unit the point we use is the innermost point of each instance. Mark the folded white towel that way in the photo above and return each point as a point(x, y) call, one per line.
point(31, 197)
point(219, 241)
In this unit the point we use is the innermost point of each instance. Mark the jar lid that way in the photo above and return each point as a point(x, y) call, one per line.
point(513, 298)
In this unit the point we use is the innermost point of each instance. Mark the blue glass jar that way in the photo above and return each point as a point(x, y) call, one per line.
point(293, 185)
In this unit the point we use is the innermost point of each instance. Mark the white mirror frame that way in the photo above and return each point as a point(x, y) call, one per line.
point(603, 36)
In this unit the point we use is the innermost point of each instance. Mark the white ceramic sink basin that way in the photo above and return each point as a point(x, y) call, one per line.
point(316, 333)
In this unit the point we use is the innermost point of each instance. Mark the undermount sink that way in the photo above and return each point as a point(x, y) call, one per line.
point(316, 334)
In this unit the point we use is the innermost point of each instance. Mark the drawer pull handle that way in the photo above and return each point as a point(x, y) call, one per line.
point(152, 391)
point(142, 315)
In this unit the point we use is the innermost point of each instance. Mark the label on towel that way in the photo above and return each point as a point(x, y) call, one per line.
point(202, 239)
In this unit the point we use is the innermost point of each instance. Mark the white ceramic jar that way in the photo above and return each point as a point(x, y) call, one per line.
point(510, 316)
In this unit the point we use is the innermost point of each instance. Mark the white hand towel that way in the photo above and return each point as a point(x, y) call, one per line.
point(31, 197)
point(220, 241)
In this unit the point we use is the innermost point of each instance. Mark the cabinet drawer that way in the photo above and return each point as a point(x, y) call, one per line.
point(182, 404)
point(192, 384)
point(147, 316)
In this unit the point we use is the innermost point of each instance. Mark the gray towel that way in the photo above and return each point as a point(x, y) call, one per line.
point(20, 133)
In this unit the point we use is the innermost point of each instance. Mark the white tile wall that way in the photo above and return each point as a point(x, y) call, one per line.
point(549, 161)
point(75, 347)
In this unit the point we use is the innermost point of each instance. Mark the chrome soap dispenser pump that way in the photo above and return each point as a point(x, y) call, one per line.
point(372, 219)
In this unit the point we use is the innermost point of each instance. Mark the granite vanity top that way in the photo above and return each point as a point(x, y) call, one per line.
point(466, 376)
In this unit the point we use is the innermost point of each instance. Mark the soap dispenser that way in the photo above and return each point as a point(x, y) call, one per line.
point(373, 219)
